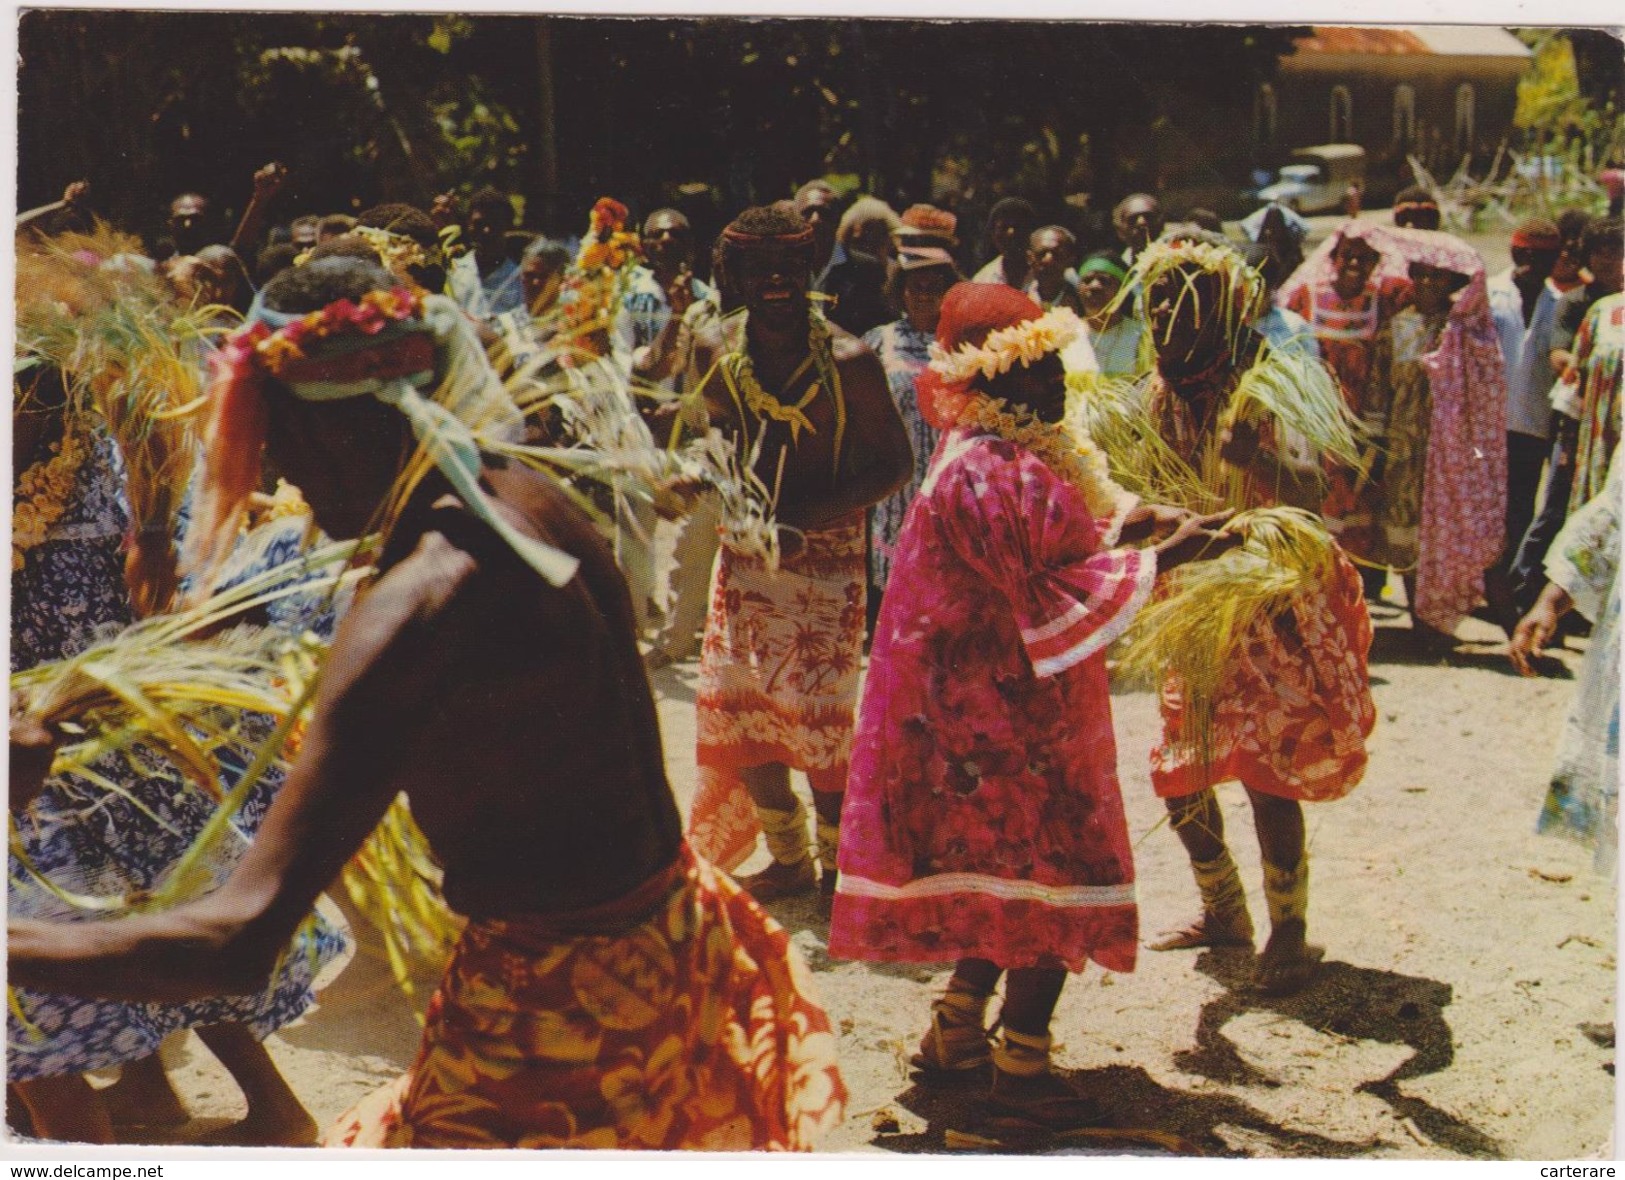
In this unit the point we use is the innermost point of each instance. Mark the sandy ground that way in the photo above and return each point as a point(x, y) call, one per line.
point(1463, 954)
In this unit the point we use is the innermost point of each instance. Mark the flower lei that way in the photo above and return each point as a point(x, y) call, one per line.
point(740, 372)
point(1024, 342)
point(602, 268)
point(1065, 451)
point(397, 252)
point(376, 311)
point(1068, 452)
point(42, 495)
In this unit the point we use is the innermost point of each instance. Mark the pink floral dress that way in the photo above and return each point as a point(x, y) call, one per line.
point(983, 815)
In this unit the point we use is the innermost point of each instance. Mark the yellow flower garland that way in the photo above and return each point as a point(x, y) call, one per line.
point(740, 373)
point(1066, 451)
point(42, 496)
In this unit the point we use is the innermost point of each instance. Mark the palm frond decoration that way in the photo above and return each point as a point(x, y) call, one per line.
point(128, 353)
point(395, 882)
point(1114, 414)
point(171, 688)
point(1203, 610)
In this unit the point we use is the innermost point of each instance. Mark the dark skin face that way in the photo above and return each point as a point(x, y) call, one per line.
point(1420, 217)
point(1039, 387)
point(188, 215)
point(668, 244)
point(485, 233)
point(1607, 266)
point(1097, 289)
point(1010, 238)
point(818, 208)
point(1432, 288)
point(1569, 260)
point(1184, 329)
point(1355, 261)
point(1049, 254)
point(1531, 266)
point(772, 281)
point(923, 291)
point(1139, 220)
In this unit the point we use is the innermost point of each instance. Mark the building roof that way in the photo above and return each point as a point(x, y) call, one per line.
point(1396, 40)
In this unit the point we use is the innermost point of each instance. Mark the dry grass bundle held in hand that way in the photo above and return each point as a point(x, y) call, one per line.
point(128, 352)
point(604, 438)
point(1114, 414)
point(1204, 610)
point(395, 882)
point(160, 690)
point(1300, 393)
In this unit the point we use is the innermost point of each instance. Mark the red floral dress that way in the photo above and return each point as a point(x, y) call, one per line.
point(983, 815)
point(1293, 709)
point(1347, 331)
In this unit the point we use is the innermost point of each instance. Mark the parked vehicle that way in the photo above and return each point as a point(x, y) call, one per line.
point(1318, 178)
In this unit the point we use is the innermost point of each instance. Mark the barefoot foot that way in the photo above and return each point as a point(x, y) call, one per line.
point(144, 1097)
point(780, 880)
point(1212, 930)
point(1288, 962)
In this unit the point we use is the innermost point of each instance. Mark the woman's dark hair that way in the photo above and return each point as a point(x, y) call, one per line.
point(321, 281)
point(406, 220)
point(897, 279)
point(273, 260)
point(1601, 233)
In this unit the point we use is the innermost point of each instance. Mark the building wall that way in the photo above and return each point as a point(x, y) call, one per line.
point(1303, 95)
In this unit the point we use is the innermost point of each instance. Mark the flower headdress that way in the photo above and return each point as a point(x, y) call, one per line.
point(595, 283)
point(390, 345)
point(1024, 342)
point(1241, 288)
point(397, 252)
point(985, 330)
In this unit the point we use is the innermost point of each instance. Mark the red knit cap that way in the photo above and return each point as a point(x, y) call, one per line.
point(970, 313)
point(927, 221)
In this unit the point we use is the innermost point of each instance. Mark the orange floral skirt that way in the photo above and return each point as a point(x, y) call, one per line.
point(676, 1018)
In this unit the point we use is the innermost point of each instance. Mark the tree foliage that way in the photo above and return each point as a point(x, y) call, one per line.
point(365, 108)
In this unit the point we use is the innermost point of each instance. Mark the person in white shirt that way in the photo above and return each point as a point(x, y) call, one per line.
point(1523, 302)
point(484, 280)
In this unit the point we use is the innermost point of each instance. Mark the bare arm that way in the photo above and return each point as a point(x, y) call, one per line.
point(268, 182)
point(46, 218)
point(378, 682)
point(877, 458)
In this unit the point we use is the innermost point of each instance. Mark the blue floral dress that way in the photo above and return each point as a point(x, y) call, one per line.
point(88, 840)
point(1583, 799)
point(904, 352)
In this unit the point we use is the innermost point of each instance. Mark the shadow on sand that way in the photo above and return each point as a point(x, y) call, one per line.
point(1137, 1111)
point(1344, 1001)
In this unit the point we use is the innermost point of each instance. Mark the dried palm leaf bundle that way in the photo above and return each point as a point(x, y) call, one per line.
point(1203, 610)
point(1114, 414)
point(395, 882)
point(129, 354)
point(169, 689)
point(1300, 393)
point(606, 439)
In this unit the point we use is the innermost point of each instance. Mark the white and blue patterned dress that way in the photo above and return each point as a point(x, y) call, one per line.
point(904, 351)
point(69, 593)
point(1583, 799)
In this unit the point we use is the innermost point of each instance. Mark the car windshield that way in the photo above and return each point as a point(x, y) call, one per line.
point(1307, 173)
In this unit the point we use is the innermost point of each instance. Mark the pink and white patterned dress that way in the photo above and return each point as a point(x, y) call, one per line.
point(983, 815)
point(778, 680)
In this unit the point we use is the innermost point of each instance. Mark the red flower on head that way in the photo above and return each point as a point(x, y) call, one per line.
point(609, 216)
